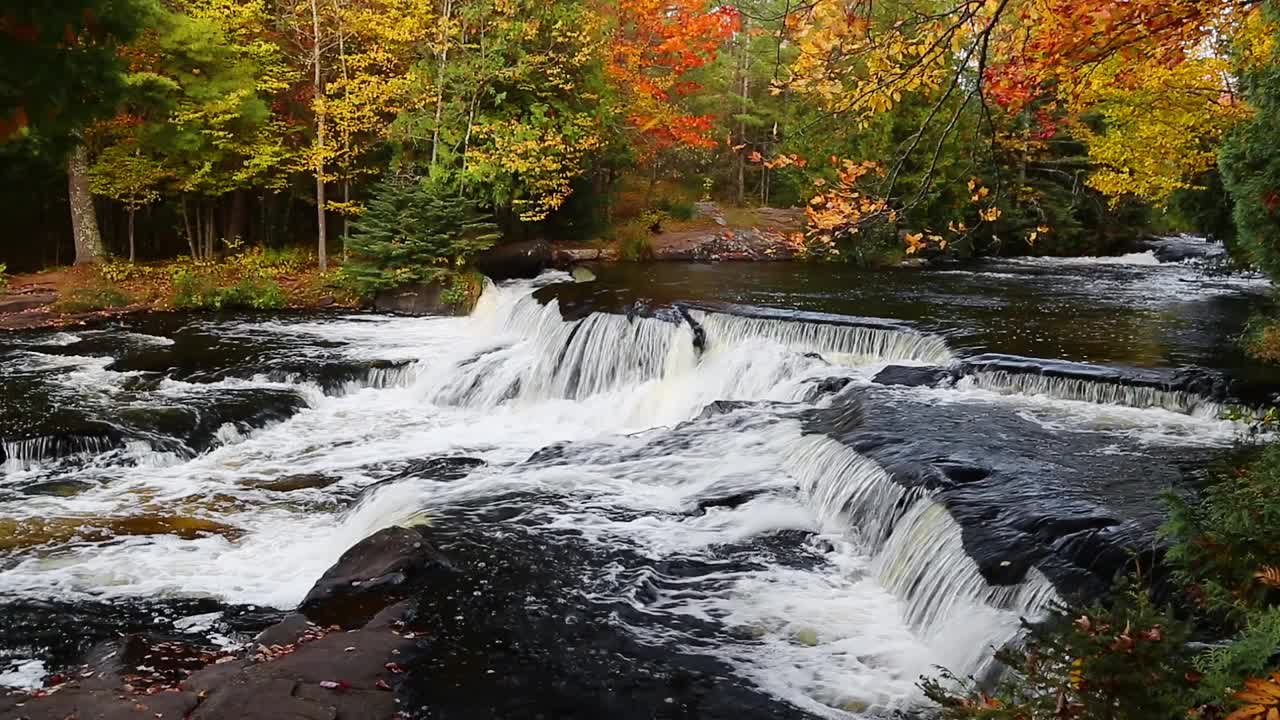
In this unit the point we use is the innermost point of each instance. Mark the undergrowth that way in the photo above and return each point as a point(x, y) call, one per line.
point(195, 291)
point(1261, 340)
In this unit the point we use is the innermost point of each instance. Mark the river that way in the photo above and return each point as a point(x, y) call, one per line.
point(794, 488)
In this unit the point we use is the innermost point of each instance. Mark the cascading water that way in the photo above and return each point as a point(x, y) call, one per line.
point(823, 580)
point(20, 454)
point(846, 343)
point(1092, 391)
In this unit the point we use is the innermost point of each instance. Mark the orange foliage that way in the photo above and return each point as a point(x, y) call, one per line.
point(1057, 42)
point(655, 45)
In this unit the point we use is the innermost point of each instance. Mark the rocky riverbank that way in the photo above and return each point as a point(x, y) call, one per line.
point(336, 658)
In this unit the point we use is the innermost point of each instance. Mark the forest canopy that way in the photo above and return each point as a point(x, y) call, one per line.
point(927, 126)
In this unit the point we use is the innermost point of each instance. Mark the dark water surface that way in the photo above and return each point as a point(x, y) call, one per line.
point(1141, 315)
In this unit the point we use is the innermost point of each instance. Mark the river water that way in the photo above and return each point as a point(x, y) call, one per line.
point(815, 545)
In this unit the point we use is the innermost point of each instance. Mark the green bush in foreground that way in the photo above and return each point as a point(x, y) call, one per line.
point(415, 231)
point(1129, 658)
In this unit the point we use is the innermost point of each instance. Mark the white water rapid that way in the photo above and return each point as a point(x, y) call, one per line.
point(886, 591)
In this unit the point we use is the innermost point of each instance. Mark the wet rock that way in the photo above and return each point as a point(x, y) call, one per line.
point(508, 261)
point(699, 332)
point(29, 532)
point(911, 376)
point(845, 414)
point(440, 469)
point(826, 386)
point(377, 572)
point(58, 488)
point(582, 275)
point(341, 676)
point(730, 501)
point(722, 407)
point(417, 299)
point(292, 483)
point(284, 632)
point(548, 454)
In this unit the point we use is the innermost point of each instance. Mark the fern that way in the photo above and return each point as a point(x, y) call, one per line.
point(1248, 654)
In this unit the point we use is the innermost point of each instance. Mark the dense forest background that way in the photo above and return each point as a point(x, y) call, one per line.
point(153, 128)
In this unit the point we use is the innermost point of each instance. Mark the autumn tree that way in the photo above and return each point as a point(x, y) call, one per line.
point(515, 115)
point(654, 48)
point(1031, 77)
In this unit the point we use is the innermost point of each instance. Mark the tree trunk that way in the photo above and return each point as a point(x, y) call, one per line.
point(653, 182)
point(346, 216)
point(186, 221)
point(744, 88)
point(84, 221)
point(444, 60)
point(321, 231)
point(132, 254)
point(238, 217)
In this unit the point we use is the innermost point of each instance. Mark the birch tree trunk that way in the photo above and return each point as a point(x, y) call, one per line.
point(84, 221)
point(132, 212)
point(444, 60)
point(322, 230)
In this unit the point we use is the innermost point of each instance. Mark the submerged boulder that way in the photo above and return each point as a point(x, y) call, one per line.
point(911, 376)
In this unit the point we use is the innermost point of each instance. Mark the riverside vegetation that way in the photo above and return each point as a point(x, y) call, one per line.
point(396, 140)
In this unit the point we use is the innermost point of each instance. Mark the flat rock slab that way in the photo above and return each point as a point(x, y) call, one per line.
point(21, 303)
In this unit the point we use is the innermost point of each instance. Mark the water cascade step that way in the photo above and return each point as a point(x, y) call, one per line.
point(1191, 392)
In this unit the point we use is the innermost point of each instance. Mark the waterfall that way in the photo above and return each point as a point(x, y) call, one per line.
point(918, 554)
point(22, 454)
point(550, 358)
point(545, 357)
point(1092, 391)
point(848, 490)
point(848, 343)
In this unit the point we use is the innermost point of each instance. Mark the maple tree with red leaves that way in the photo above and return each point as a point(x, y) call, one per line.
point(656, 44)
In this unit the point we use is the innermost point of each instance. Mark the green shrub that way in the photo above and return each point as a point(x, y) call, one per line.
point(463, 289)
point(1221, 544)
point(262, 262)
point(682, 210)
point(635, 240)
point(196, 291)
point(193, 290)
point(415, 231)
point(4, 277)
point(90, 299)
